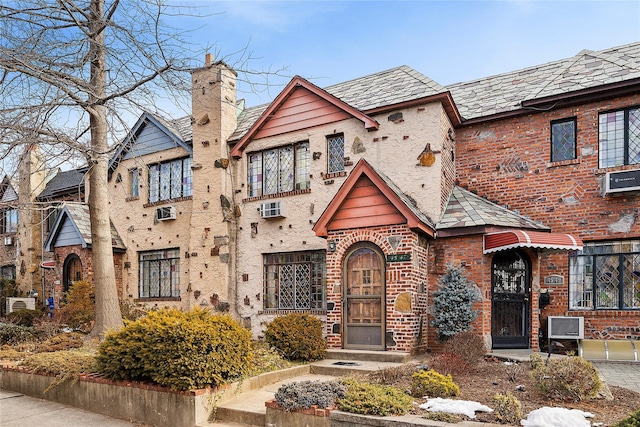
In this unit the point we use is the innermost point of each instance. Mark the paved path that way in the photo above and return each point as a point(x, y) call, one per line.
point(621, 374)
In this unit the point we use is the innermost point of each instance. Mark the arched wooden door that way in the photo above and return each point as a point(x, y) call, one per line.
point(510, 300)
point(363, 298)
point(72, 271)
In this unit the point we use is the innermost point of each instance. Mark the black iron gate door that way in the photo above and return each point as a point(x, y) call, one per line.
point(510, 301)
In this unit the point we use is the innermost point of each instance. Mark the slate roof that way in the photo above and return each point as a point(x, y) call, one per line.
point(63, 182)
point(79, 214)
point(384, 88)
point(180, 127)
point(466, 209)
point(505, 92)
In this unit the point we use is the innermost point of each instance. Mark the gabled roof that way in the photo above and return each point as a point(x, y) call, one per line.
point(78, 217)
point(371, 94)
point(465, 210)
point(178, 130)
point(294, 85)
point(63, 183)
point(586, 72)
point(7, 190)
point(402, 203)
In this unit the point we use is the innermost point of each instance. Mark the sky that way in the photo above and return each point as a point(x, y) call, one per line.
point(329, 42)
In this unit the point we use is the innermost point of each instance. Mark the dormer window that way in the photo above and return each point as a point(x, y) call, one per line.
point(279, 170)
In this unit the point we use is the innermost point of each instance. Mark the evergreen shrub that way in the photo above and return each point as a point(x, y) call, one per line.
point(15, 334)
point(305, 394)
point(78, 310)
point(632, 420)
point(373, 399)
point(571, 378)
point(433, 384)
point(64, 341)
point(25, 317)
point(507, 408)
point(180, 350)
point(297, 336)
point(453, 303)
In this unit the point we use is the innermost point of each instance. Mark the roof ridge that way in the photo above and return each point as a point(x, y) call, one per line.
point(400, 67)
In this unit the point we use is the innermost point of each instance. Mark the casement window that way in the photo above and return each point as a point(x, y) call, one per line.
point(295, 280)
point(159, 274)
point(335, 153)
point(619, 137)
point(605, 276)
point(279, 170)
point(10, 220)
point(8, 272)
point(134, 183)
point(563, 140)
point(170, 180)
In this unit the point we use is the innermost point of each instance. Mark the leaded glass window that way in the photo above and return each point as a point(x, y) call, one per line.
point(10, 220)
point(170, 180)
point(279, 170)
point(605, 275)
point(295, 280)
point(335, 150)
point(133, 182)
point(159, 274)
point(619, 138)
point(563, 140)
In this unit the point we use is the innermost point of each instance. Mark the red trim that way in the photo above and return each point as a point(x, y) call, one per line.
point(512, 239)
point(362, 168)
point(298, 81)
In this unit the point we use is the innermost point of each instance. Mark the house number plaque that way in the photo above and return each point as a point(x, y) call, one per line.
point(398, 257)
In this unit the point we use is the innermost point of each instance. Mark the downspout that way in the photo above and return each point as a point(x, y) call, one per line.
point(44, 298)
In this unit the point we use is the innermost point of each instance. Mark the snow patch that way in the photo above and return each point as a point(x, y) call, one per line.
point(462, 407)
point(557, 417)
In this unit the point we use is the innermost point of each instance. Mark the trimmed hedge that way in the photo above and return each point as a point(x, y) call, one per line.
point(180, 350)
point(297, 336)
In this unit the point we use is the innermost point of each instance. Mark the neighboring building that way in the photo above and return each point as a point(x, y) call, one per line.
point(348, 202)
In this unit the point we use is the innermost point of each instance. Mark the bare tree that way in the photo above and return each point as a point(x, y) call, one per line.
point(74, 72)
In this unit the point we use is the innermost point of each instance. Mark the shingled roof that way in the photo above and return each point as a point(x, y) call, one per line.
point(64, 182)
point(389, 87)
point(507, 92)
point(466, 209)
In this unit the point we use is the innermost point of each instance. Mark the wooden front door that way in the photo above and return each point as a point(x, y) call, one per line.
point(363, 299)
point(510, 301)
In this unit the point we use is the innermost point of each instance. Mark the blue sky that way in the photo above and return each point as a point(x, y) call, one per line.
point(449, 41)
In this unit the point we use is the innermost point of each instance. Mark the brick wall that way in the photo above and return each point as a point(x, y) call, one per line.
point(508, 161)
point(406, 285)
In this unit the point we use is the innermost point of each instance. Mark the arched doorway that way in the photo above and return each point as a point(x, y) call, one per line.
point(363, 297)
point(72, 271)
point(510, 300)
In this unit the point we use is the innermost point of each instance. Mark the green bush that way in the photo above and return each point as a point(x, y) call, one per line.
point(507, 408)
point(297, 336)
point(373, 399)
point(433, 384)
point(266, 359)
point(180, 350)
point(468, 346)
point(567, 378)
point(16, 334)
point(632, 420)
point(305, 394)
point(8, 288)
point(25, 317)
point(78, 310)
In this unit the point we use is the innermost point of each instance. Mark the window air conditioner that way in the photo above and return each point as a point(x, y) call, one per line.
point(17, 304)
point(8, 240)
point(166, 212)
point(272, 210)
point(568, 328)
point(622, 181)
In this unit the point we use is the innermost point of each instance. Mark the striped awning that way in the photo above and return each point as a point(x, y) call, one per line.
point(512, 239)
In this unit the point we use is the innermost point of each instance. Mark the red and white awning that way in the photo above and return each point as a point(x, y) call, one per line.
point(512, 239)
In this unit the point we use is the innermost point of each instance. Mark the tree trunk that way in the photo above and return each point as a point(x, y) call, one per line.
point(108, 315)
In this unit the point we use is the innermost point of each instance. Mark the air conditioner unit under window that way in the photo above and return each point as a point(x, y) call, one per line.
point(166, 212)
point(17, 304)
point(272, 210)
point(8, 240)
point(622, 181)
point(565, 327)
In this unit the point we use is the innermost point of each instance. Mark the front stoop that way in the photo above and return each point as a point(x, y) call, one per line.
point(368, 356)
point(340, 363)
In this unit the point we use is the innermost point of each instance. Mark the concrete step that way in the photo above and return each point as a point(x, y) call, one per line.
point(247, 417)
point(368, 356)
point(341, 368)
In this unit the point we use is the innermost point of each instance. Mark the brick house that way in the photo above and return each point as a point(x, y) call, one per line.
point(348, 202)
